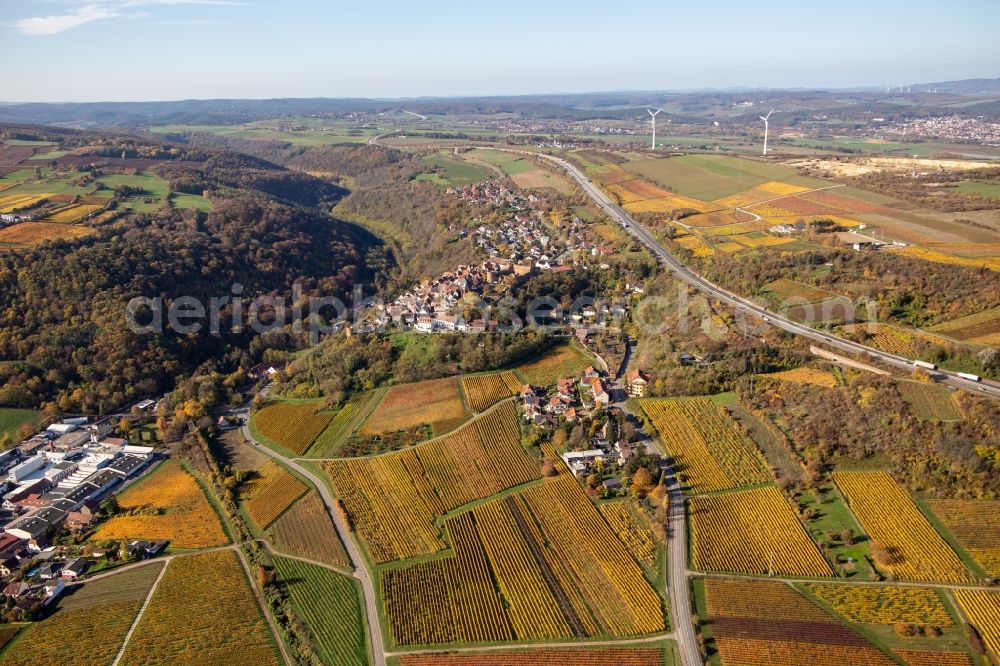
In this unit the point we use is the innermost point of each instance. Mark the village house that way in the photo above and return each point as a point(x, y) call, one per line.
point(580, 462)
point(625, 450)
point(75, 568)
point(636, 383)
point(601, 396)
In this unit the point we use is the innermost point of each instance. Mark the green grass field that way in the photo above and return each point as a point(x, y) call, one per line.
point(313, 134)
point(929, 401)
point(509, 163)
point(154, 188)
point(988, 189)
point(182, 201)
point(452, 172)
point(11, 420)
point(51, 155)
point(329, 604)
point(831, 516)
point(23, 142)
point(565, 361)
point(711, 177)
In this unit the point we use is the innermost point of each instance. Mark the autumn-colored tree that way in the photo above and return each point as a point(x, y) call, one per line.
point(643, 479)
point(658, 494)
point(882, 556)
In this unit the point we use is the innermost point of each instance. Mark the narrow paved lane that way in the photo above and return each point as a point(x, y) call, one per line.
point(377, 648)
point(678, 591)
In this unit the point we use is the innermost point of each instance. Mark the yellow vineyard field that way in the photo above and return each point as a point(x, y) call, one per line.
point(484, 391)
point(770, 211)
point(187, 519)
point(73, 214)
point(88, 627)
point(711, 451)
point(886, 338)
point(633, 530)
point(974, 523)
point(730, 228)
point(883, 605)
point(292, 426)
point(763, 623)
point(983, 610)
point(667, 204)
point(392, 499)
point(927, 658)
point(992, 263)
point(729, 247)
point(203, 612)
point(623, 195)
point(559, 572)
point(13, 202)
point(763, 192)
point(585, 556)
point(891, 518)
point(267, 496)
point(752, 532)
point(697, 246)
point(32, 233)
point(449, 599)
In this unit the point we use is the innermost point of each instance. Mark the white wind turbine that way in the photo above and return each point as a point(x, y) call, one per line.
point(653, 120)
point(764, 118)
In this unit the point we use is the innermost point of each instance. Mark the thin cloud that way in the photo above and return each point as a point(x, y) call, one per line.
point(45, 26)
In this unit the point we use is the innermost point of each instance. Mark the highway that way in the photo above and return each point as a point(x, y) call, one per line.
point(746, 306)
point(376, 647)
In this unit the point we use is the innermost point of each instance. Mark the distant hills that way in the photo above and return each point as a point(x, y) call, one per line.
point(683, 106)
point(971, 87)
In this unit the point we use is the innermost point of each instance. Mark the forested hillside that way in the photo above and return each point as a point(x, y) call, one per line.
point(63, 337)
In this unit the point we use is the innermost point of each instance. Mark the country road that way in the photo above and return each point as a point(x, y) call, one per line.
point(742, 305)
point(377, 648)
point(678, 591)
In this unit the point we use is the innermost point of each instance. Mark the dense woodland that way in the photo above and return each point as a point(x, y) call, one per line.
point(63, 338)
point(914, 292)
point(869, 418)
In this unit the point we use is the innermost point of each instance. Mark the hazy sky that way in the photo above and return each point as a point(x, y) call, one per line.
point(87, 50)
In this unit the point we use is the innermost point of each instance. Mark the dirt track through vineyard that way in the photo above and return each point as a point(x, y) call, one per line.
point(550, 579)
